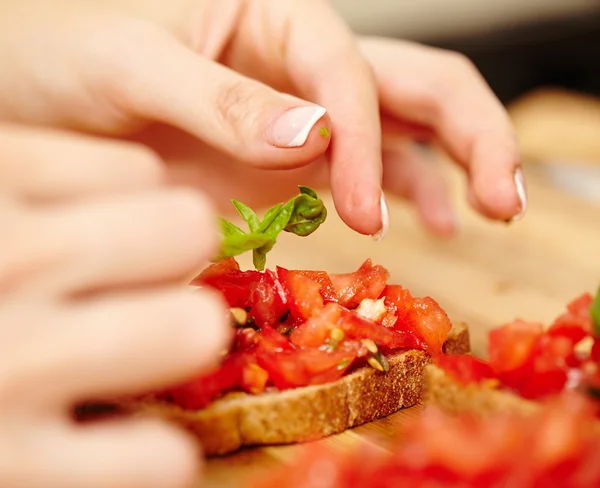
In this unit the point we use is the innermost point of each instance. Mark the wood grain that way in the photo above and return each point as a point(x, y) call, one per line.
point(488, 274)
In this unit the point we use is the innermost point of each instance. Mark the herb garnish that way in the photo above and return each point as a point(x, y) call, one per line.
point(301, 215)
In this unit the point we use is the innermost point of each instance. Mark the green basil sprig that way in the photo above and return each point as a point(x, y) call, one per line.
point(301, 215)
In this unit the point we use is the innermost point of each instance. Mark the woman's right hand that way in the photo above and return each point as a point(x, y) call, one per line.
point(95, 254)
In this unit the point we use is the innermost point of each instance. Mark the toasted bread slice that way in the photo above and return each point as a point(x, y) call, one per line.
point(443, 391)
point(311, 412)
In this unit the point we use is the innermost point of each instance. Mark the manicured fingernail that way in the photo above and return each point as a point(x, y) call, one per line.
point(293, 127)
point(385, 220)
point(520, 185)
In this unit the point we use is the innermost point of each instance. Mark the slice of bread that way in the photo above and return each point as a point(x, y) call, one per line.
point(443, 391)
point(311, 412)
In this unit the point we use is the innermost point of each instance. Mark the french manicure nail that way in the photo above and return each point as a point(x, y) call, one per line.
point(520, 185)
point(293, 127)
point(385, 219)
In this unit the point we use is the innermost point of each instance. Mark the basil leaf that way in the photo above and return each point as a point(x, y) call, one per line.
point(595, 313)
point(301, 215)
point(248, 215)
point(238, 244)
point(230, 229)
point(269, 217)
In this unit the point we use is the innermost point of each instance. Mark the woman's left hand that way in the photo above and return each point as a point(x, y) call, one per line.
point(134, 69)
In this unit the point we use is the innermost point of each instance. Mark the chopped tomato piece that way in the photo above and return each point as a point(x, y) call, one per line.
point(367, 282)
point(260, 293)
point(303, 292)
point(465, 368)
point(204, 389)
point(577, 315)
point(356, 327)
point(301, 367)
point(510, 345)
point(317, 329)
point(422, 317)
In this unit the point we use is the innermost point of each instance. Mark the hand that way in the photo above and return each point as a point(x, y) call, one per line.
point(205, 84)
point(94, 253)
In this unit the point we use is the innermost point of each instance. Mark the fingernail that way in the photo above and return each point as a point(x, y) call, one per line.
point(293, 127)
point(385, 220)
point(520, 185)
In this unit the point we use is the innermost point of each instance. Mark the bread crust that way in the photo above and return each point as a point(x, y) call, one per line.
point(311, 412)
point(443, 391)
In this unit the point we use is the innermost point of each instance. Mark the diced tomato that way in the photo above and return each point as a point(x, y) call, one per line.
point(367, 282)
point(545, 371)
point(595, 354)
point(267, 301)
point(261, 293)
point(301, 367)
point(204, 389)
point(303, 293)
point(326, 290)
point(317, 329)
point(356, 327)
point(422, 317)
point(465, 368)
point(510, 345)
point(254, 378)
point(220, 268)
point(577, 315)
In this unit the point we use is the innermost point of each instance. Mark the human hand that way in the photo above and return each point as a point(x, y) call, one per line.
point(95, 253)
point(196, 80)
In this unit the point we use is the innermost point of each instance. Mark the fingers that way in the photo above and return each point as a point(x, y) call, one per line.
point(135, 454)
point(326, 65)
point(142, 238)
point(235, 114)
point(113, 345)
point(46, 165)
point(444, 91)
point(412, 172)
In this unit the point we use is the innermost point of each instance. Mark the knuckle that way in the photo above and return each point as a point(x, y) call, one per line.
point(233, 102)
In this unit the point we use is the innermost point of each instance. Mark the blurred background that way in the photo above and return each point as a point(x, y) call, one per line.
point(541, 57)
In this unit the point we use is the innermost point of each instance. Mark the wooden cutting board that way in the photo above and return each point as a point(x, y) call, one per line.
point(488, 274)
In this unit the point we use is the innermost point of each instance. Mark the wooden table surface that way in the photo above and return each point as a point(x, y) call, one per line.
point(489, 274)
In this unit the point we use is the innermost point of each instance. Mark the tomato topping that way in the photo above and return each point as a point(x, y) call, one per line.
point(577, 315)
point(301, 327)
point(301, 367)
point(304, 292)
point(422, 317)
point(510, 345)
point(260, 293)
point(233, 372)
point(367, 282)
point(465, 368)
point(317, 330)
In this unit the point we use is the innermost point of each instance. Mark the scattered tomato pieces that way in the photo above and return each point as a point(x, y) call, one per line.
point(535, 362)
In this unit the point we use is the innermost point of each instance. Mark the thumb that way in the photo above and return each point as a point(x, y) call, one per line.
point(248, 120)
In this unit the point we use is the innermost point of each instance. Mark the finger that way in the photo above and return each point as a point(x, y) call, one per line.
point(445, 92)
point(113, 345)
point(134, 453)
point(321, 43)
point(42, 165)
point(120, 241)
point(237, 115)
point(413, 172)
point(324, 64)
